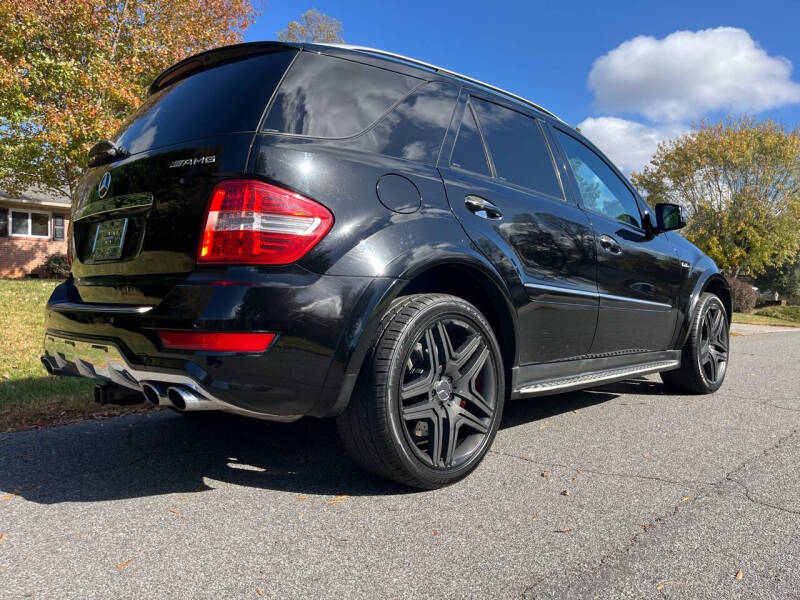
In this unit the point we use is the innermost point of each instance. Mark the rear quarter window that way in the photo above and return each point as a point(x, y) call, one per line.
point(224, 99)
point(328, 97)
point(414, 129)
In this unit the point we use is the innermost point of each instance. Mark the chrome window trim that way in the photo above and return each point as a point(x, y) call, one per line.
point(438, 69)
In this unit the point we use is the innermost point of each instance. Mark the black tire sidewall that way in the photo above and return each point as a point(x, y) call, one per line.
point(458, 309)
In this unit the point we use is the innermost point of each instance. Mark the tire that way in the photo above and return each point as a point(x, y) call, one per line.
point(430, 395)
point(704, 358)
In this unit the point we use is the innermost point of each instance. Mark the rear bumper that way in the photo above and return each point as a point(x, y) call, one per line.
point(105, 363)
point(314, 317)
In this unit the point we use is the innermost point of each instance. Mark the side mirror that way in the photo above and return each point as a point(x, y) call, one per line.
point(669, 217)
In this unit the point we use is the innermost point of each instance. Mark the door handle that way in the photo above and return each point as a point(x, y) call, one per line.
point(482, 207)
point(609, 244)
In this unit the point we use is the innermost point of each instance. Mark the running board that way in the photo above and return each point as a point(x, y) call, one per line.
point(585, 380)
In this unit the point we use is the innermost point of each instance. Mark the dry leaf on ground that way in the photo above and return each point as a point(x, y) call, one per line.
point(568, 530)
point(739, 574)
point(565, 493)
point(3, 537)
point(174, 510)
point(338, 499)
point(125, 564)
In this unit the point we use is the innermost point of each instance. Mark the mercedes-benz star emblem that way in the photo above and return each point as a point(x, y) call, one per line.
point(104, 185)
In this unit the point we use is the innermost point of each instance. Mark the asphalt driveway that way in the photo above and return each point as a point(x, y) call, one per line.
point(668, 496)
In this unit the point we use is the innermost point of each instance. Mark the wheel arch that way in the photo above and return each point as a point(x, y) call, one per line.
point(717, 285)
point(465, 276)
point(713, 282)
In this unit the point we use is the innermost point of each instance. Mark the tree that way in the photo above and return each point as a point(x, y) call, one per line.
point(314, 26)
point(739, 182)
point(70, 72)
point(784, 279)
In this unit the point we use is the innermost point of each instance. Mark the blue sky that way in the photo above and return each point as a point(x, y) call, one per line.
point(647, 90)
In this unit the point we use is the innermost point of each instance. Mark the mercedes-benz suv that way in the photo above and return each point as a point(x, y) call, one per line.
point(287, 230)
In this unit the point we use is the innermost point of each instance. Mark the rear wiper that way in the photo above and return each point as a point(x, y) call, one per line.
point(105, 152)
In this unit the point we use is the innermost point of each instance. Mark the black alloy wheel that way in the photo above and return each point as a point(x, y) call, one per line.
point(430, 396)
point(704, 358)
point(713, 354)
point(448, 393)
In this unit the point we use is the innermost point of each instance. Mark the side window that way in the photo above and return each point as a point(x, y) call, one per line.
point(3, 222)
point(58, 227)
point(468, 152)
point(518, 148)
point(600, 188)
point(414, 129)
point(327, 97)
point(20, 222)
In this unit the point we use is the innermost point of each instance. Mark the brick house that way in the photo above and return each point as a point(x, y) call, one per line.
point(32, 226)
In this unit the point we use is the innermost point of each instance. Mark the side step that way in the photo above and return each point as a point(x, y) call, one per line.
point(593, 378)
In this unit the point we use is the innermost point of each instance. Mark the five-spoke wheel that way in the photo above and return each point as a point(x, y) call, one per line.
point(447, 393)
point(704, 358)
point(713, 355)
point(430, 397)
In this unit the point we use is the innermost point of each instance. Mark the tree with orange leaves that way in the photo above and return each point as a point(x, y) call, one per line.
point(72, 70)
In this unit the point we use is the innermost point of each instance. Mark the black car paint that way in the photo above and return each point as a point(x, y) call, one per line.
point(540, 261)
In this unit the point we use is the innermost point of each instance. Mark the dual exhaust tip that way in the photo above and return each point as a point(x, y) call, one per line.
point(177, 396)
point(158, 394)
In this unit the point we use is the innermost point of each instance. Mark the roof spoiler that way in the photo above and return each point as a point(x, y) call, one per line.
point(210, 58)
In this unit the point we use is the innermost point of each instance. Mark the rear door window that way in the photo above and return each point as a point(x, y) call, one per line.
point(517, 148)
point(227, 98)
point(468, 152)
point(328, 97)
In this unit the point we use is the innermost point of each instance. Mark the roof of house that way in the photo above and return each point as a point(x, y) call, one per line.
point(37, 198)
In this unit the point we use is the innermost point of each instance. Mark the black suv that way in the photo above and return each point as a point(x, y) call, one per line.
point(285, 230)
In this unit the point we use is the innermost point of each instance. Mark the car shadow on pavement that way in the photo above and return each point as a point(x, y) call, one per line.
point(163, 453)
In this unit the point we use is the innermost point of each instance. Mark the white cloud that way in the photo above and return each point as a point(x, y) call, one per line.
point(688, 74)
point(629, 144)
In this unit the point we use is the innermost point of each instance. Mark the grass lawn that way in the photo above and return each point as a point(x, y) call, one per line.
point(29, 397)
point(788, 316)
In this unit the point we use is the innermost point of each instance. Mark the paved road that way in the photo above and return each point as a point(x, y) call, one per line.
point(670, 496)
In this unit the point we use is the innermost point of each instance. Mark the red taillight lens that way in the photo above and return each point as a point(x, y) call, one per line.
point(216, 341)
point(255, 223)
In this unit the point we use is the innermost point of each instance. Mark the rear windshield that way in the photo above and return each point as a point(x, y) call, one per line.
point(224, 99)
point(327, 97)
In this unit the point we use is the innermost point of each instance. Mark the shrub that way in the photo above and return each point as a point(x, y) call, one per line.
point(55, 266)
point(743, 296)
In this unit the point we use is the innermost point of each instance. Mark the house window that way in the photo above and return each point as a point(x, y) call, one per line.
point(3, 222)
point(58, 228)
point(30, 224)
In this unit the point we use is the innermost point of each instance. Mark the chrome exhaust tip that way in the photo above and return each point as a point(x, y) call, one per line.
point(186, 399)
point(154, 393)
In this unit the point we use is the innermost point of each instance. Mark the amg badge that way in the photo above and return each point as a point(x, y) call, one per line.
point(188, 162)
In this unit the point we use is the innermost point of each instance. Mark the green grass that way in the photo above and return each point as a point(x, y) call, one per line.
point(786, 313)
point(29, 397)
point(768, 316)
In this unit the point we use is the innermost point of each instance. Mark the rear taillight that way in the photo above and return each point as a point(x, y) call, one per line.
point(254, 223)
